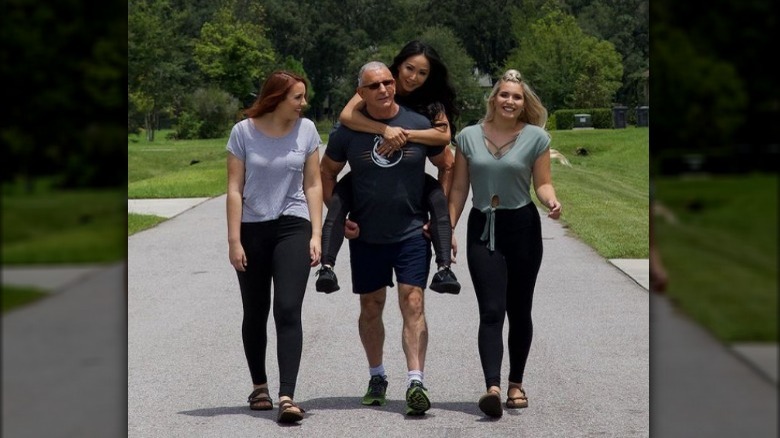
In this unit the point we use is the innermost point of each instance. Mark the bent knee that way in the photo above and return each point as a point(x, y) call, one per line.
point(412, 301)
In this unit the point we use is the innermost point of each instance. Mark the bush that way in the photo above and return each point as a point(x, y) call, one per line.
point(187, 127)
point(324, 126)
point(208, 113)
point(551, 123)
point(601, 118)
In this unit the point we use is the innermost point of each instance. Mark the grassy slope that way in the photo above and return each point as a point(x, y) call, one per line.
point(720, 249)
point(84, 226)
point(165, 168)
point(605, 193)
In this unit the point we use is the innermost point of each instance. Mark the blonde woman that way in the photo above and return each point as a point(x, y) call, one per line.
point(499, 158)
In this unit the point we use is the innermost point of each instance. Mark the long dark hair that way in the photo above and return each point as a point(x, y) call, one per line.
point(274, 91)
point(437, 93)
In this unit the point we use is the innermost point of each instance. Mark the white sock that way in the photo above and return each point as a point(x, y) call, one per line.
point(414, 375)
point(377, 371)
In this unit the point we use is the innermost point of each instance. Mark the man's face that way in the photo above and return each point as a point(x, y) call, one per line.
point(378, 89)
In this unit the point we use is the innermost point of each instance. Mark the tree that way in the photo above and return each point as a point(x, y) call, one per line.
point(599, 78)
point(704, 103)
point(234, 53)
point(710, 72)
point(63, 68)
point(156, 57)
point(624, 23)
point(556, 56)
point(484, 28)
point(187, 44)
point(470, 98)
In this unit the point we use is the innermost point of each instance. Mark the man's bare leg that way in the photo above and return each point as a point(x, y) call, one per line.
point(371, 326)
point(415, 343)
point(372, 334)
point(415, 331)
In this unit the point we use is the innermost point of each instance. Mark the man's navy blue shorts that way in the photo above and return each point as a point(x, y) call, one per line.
point(373, 264)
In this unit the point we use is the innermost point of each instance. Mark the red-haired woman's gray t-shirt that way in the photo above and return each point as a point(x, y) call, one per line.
point(273, 179)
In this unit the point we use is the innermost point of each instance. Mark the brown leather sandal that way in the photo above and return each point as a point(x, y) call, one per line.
point(287, 414)
point(260, 400)
point(518, 402)
point(490, 404)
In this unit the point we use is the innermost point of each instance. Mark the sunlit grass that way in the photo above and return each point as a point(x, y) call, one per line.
point(718, 240)
point(46, 226)
point(605, 192)
point(140, 222)
point(17, 296)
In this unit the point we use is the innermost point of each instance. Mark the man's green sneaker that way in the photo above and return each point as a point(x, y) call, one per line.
point(375, 396)
point(417, 401)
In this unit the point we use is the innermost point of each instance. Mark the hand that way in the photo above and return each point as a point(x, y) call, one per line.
point(454, 247)
point(427, 230)
point(351, 229)
point(237, 257)
point(394, 139)
point(555, 209)
point(315, 251)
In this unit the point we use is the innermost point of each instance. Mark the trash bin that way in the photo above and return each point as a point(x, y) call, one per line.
point(619, 117)
point(642, 116)
point(582, 121)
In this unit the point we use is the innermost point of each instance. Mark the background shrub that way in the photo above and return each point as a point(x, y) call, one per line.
point(208, 113)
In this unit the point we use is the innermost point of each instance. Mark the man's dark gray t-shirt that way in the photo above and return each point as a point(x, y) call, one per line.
point(387, 201)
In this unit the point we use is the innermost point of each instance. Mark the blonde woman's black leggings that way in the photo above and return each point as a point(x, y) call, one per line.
point(504, 282)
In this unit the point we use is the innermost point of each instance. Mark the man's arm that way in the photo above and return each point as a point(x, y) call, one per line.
point(329, 171)
point(444, 161)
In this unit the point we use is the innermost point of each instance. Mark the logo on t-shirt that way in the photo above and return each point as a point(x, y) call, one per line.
point(385, 161)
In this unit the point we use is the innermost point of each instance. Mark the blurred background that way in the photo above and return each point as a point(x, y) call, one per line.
point(62, 139)
point(714, 148)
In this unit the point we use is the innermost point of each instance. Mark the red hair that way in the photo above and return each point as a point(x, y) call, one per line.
point(273, 92)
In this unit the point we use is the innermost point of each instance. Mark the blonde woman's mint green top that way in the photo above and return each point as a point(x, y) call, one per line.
point(507, 177)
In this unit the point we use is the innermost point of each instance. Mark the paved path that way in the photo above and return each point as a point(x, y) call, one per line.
point(64, 361)
point(587, 375)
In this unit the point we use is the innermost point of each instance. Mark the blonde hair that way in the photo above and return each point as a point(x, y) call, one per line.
point(533, 111)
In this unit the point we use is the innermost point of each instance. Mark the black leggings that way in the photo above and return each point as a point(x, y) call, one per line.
point(341, 203)
point(504, 282)
point(276, 251)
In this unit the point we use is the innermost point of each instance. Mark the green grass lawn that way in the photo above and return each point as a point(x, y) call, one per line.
point(17, 296)
point(140, 222)
point(51, 226)
point(605, 192)
point(175, 168)
point(718, 242)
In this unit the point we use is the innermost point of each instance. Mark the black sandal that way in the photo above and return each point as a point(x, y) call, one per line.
point(287, 414)
point(518, 402)
point(490, 404)
point(260, 400)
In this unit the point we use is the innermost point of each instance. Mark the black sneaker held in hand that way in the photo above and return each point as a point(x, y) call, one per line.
point(327, 281)
point(444, 281)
